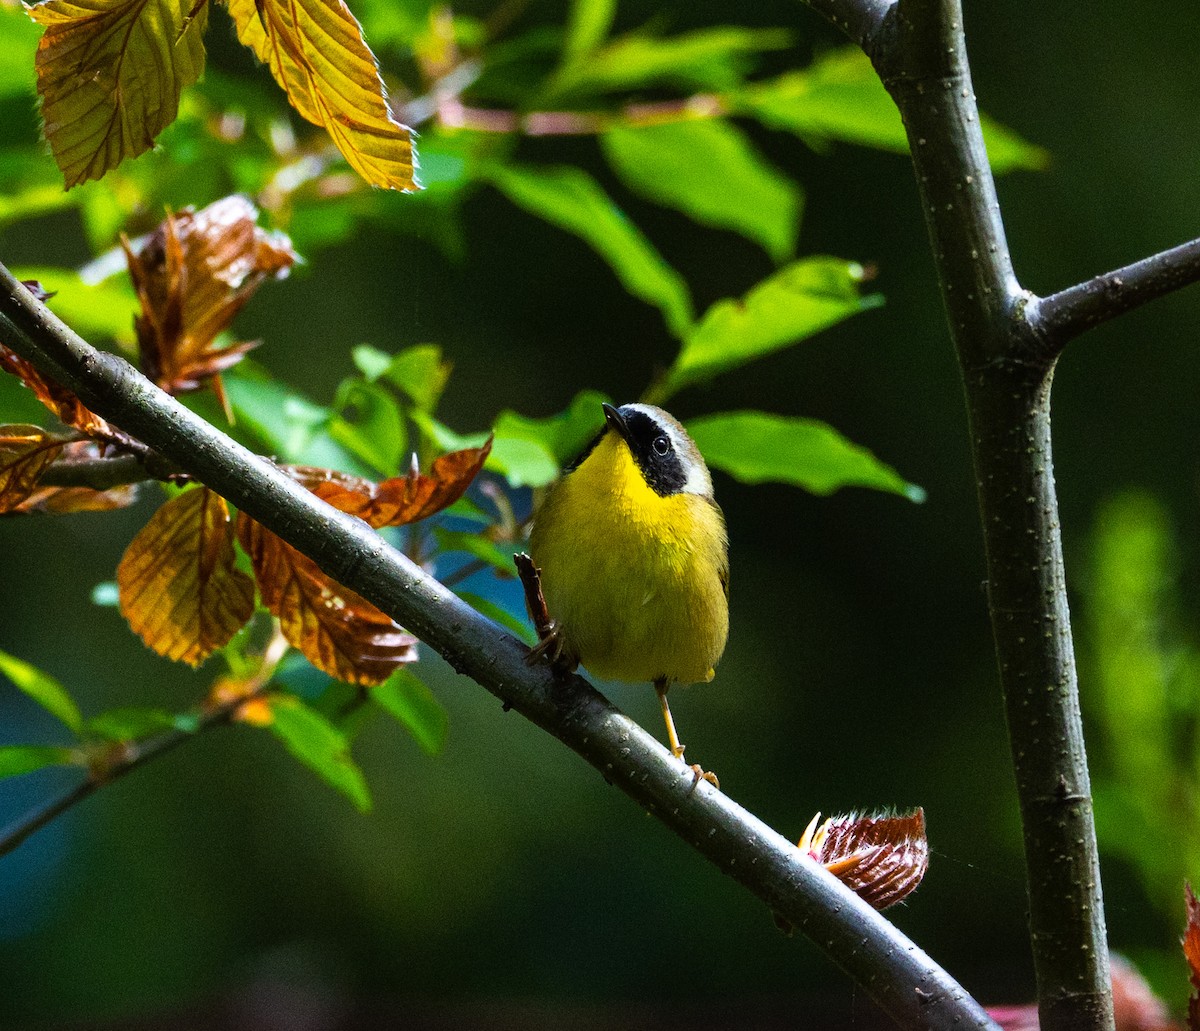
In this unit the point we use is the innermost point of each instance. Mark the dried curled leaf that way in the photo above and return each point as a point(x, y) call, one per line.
point(110, 73)
point(881, 859)
point(315, 50)
point(61, 401)
point(25, 452)
point(177, 582)
point(338, 631)
point(401, 499)
point(192, 277)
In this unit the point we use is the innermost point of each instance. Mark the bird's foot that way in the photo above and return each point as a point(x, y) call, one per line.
point(699, 773)
point(552, 649)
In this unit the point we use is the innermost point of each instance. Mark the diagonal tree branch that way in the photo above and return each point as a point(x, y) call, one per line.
point(904, 981)
point(1063, 316)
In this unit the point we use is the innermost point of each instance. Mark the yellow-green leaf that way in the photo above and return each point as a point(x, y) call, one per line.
point(414, 706)
point(43, 689)
point(18, 759)
point(110, 73)
point(316, 51)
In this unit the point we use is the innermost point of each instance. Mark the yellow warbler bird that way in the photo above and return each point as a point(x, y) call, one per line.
point(634, 558)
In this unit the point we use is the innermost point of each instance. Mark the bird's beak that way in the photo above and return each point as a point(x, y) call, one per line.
point(616, 420)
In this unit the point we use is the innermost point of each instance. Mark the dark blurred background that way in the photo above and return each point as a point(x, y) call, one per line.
point(503, 883)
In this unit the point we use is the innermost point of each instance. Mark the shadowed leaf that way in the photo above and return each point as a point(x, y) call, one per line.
point(315, 50)
point(64, 404)
point(110, 73)
point(43, 689)
point(192, 276)
point(130, 723)
point(881, 859)
point(315, 742)
point(25, 452)
point(17, 759)
point(338, 631)
point(179, 587)
point(758, 447)
point(415, 708)
point(72, 500)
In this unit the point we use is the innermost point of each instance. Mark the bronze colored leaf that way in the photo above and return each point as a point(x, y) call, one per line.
point(401, 499)
point(62, 402)
point(315, 50)
point(177, 582)
point(69, 500)
point(192, 277)
point(110, 73)
point(882, 859)
point(25, 452)
point(338, 631)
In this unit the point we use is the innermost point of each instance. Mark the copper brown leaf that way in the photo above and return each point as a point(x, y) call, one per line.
point(338, 631)
point(178, 585)
point(192, 277)
point(882, 859)
point(61, 401)
point(110, 72)
point(70, 500)
point(405, 499)
point(316, 51)
point(25, 452)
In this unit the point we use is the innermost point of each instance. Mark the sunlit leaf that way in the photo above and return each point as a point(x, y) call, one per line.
point(758, 447)
point(18, 759)
point(338, 631)
point(179, 587)
point(110, 73)
point(368, 422)
point(131, 723)
point(840, 97)
point(710, 171)
point(572, 200)
point(407, 698)
point(18, 40)
point(192, 276)
point(882, 859)
point(318, 744)
point(795, 303)
point(420, 371)
point(96, 311)
point(401, 499)
point(716, 58)
point(315, 50)
point(587, 25)
point(43, 689)
point(25, 452)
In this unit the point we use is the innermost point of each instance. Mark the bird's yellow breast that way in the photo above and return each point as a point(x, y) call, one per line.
point(635, 580)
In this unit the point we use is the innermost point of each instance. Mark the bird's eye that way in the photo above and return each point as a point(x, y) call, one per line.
point(662, 445)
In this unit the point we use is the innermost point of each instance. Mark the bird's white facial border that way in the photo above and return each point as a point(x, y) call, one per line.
point(698, 480)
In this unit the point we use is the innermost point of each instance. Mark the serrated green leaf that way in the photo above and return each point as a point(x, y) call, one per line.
point(478, 546)
point(715, 59)
point(103, 310)
point(129, 724)
point(758, 447)
point(368, 421)
point(407, 698)
point(419, 371)
point(840, 97)
point(793, 304)
point(709, 170)
point(317, 743)
point(43, 689)
point(517, 627)
point(569, 198)
point(18, 759)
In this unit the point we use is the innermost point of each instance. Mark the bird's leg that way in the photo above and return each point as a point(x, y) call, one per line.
point(661, 685)
point(552, 649)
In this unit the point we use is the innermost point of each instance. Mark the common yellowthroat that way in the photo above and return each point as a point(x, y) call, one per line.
point(634, 558)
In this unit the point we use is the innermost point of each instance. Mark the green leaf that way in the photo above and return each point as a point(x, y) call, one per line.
point(43, 689)
point(368, 422)
point(420, 371)
point(18, 44)
point(317, 743)
point(572, 200)
point(103, 310)
point(563, 435)
point(407, 698)
point(587, 25)
point(517, 627)
point(795, 303)
point(711, 172)
point(129, 724)
point(32, 200)
point(757, 447)
point(17, 759)
point(522, 462)
point(715, 59)
point(840, 97)
point(478, 546)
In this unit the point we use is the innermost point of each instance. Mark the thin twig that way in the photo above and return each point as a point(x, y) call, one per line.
point(117, 470)
point(900, 977)
point(1063, 316)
